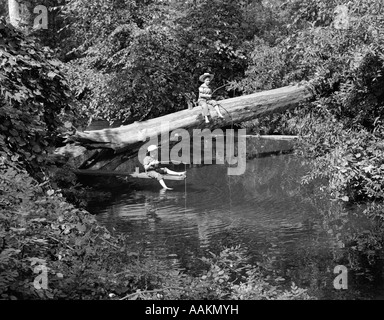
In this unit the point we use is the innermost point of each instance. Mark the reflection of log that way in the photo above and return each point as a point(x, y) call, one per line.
point(265, 145)
point(274, 137)
point(238, 109)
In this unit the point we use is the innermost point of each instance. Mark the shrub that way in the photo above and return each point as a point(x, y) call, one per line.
point(34, 99)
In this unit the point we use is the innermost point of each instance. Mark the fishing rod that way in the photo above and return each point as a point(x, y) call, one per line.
point(172, 161)
point(219, 88)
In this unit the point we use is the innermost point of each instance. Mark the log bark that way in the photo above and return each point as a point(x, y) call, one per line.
point(235, 110)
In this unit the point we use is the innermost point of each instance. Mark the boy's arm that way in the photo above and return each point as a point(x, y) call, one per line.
point(149, 163)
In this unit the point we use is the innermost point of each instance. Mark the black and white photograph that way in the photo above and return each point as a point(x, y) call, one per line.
point(189, 157)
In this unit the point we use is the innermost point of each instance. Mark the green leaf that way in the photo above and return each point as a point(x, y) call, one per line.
point(36, 148)
point(52, 74)
point(55, 63)
point(81, 227)
point(68, 124)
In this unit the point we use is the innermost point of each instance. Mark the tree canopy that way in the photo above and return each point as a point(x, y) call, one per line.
point(143, 58)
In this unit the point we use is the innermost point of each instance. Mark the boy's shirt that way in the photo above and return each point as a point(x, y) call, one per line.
point(146, 161)
point(204, 90)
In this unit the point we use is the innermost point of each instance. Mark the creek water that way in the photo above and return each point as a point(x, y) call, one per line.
point(282, 224)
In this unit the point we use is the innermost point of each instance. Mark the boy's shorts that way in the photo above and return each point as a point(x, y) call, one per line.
point(156, 174)
point(211, 102)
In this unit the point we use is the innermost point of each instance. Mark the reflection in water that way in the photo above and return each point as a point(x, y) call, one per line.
point(265, 210)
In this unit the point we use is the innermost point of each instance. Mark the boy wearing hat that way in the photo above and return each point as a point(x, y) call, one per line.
point(152, 169)
point(205, 97)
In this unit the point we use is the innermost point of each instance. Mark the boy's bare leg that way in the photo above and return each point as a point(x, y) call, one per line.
point(174, 172)
point(218, 111)
point(205, 111)
point(164, 185)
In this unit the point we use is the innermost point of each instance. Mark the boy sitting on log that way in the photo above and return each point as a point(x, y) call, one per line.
point(205, 97)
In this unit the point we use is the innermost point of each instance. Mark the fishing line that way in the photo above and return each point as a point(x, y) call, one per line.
point(230, 193)
point(185, 189)
point(221, 105)
point(219, 88)
point(228, 114)
point(229, 177)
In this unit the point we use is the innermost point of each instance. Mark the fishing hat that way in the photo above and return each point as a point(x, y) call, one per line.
point(206, 75)
point(152, 147)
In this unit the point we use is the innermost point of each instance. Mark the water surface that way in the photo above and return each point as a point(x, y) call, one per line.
point(266, 210)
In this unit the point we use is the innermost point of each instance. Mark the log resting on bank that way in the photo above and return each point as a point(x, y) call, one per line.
point(236, 110)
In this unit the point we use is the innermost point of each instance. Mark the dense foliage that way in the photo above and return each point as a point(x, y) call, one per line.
point(143, 58)
point(34, 99)
point(344, 66)
point(342, 133)
point(341, 57)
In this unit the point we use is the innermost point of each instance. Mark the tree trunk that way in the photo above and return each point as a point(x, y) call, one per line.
point(235, 110)
point(21, 14)
point(14, 13)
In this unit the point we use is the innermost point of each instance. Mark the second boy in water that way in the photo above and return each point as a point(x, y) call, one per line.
point(151, 166)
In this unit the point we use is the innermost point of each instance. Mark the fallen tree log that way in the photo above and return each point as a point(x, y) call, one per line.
point(137, 174)
point(236, 110)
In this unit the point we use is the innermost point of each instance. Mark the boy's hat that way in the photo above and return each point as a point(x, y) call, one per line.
point(152, 147)
point(206, 75)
